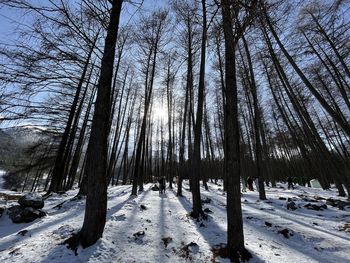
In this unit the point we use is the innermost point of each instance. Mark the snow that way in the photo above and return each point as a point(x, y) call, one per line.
point(316, 237)
point(33, 197)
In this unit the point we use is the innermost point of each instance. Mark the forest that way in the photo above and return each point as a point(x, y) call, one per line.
point(236, 111)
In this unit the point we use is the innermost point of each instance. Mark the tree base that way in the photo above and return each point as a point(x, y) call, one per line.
point(221, 250)
point(199, 217)
point(243, 255)
point(73, 243)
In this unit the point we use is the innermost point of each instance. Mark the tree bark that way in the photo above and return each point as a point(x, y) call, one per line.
point(196, 162)
point(96, 165)
point(235, 236)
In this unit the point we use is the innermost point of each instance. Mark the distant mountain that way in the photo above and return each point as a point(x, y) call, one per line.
point(14, 140)
point(16, 149)
point(23, 135)
point(7, 144)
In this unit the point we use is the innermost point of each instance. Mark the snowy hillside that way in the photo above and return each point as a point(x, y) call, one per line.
point(20, 136)
point(161, 231)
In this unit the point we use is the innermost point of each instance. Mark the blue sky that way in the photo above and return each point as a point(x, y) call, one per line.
point(7, 26)
point(9, 17)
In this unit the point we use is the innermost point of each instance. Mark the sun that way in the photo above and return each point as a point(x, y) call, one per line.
point(160, 113)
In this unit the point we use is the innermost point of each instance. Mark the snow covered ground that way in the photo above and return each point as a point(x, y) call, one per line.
point(315, 235)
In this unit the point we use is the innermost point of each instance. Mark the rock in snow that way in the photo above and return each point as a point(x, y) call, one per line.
point(155, 188)
point(166, 241)
point(315, 207)
point(291, 205)
point(2, 210)
point(337, 203)
point(28, 210)
point(33, 200)
point(19, 214)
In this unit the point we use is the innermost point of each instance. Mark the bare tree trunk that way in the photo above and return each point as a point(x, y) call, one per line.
point(257, 123)
point(157, 30)
point(58, 170)
point(196, 162)
point(169, 81)
point(342, 123)
point(235, 236)
point(96, 165)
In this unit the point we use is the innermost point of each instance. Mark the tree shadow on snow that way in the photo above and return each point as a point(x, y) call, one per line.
point(8, 228)
point(288, 215)
point(60, 253)
point(279, 213)
point(211, 231)
point(293, 243)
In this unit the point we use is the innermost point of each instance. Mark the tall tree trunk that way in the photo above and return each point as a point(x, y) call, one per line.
point(342, 123)
point(169, 92)
point(59, 167)
point(257, 123)
point(96, 165)
point(196, 162)
point(235, 236)
point(148, 97)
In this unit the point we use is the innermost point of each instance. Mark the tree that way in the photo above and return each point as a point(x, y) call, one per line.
point(257, 121)
point(184, 11)
point(235, 237)
point(196, 162)
point(96, 166)
point(151, 37)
